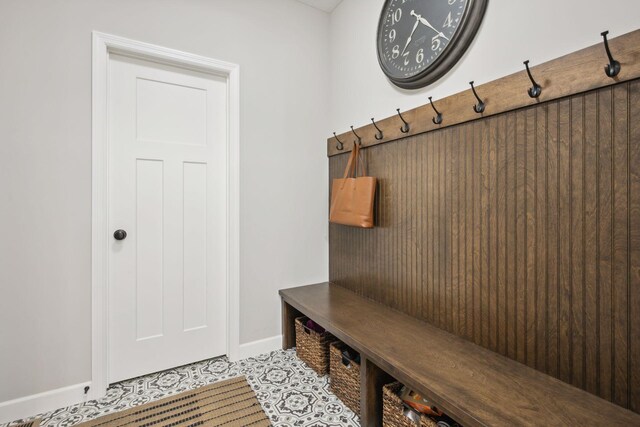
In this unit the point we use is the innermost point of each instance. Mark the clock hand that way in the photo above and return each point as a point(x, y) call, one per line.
point(410, 35)
point(425, 22)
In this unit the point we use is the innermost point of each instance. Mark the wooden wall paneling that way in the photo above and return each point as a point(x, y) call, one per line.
point(500, 234)
point(438, 254)
point(421, 225)
point(449, 210)
point(577, 241)
point(530, 237)
point(590, 296)
point(425, 240)
point(620, 209)
point(467, 143)
point(566, 238)
point(485, 208)
point(378, 247)
point(520, 235)
point(398, 223)
point(553, 251)
point(604, 239)
point(510, 234)
point(398, 209)
point(634, 247)
point(441, 227)
point(409, 180)
point(577, 72)
point(455, 228)
point(449, 207)
point(518, 232)
point(429, 310)
point(492, 232)
point(445, 231)
point(477, 224)
point(391, 225)
point(541, 278)
point(411, 177)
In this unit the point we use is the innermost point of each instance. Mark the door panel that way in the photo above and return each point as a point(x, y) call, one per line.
point(169, 112)
point(195, 245)
point(149, 240)
point(167, 283)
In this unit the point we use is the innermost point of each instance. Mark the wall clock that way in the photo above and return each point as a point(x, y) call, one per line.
point(420, 40)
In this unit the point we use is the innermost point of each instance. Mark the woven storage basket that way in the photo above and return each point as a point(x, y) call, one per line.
point(393, 410)
point(313, 347)
point(345, 379)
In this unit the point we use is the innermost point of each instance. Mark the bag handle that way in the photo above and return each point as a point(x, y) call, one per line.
point(352, 165)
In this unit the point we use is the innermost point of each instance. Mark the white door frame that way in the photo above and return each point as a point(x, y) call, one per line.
point(103, 46)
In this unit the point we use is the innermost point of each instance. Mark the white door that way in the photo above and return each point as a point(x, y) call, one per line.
point(167, 191)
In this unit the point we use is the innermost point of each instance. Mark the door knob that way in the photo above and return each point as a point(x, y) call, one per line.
point(120, 234)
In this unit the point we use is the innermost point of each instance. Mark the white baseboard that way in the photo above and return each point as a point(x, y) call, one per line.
point(262, 346)
point(36, 404)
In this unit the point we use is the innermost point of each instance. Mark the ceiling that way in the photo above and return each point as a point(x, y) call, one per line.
point(326, 5)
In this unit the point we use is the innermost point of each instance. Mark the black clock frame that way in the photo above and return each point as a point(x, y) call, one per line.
point(469, 25)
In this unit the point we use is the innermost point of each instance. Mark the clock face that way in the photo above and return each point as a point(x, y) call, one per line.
point(419, 40)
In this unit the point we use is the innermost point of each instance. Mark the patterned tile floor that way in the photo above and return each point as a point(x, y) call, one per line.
point(289, 391)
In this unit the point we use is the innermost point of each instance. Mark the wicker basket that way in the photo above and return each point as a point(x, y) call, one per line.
point(345, 378)
point(313, 347)
point(393, 410)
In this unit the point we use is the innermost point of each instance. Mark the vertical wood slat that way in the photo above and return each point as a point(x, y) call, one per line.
point(448, 207)
point(469, 230)
point(520, 232)
point(634, 247)
point(541, 278)
point(553, 253)
point(491, 232)
point(484, 235)
point(530, 238)
point(477, 226)
point(590, 296)
point(500, 233)
point(604, 239)
point(510, 167)
point(565, 239)
point(454, 194)
point(577, 242)
point(519, 256)
point(620, 205)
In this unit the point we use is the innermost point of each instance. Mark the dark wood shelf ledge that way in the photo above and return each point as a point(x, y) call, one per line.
point(577, 72)
point(473, 385)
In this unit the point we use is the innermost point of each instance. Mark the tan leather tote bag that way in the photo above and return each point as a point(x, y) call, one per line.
point(352, 197)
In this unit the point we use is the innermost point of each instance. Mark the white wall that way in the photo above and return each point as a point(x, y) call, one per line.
point(512, 31)
point(45, 163)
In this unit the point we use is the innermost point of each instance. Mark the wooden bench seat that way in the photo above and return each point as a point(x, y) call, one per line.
point(473, 385)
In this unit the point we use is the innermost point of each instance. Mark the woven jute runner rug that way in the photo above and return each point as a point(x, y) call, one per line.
point(226, 403)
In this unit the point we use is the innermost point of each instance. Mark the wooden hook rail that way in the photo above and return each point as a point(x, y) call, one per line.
point(576, 72)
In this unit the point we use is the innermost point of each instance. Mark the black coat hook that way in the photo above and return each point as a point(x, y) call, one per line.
point(612, 69)
point(438, 118)
point(379, 135)
point(405, 127)
point(357, 136)
point(479, 107)
point(340, 144)
point(536, 90)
